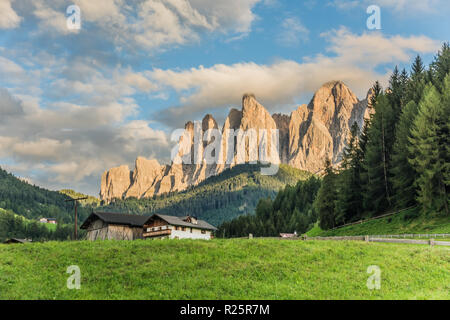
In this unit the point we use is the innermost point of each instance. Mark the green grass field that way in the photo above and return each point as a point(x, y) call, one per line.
point(224, 269)
point(410, 222)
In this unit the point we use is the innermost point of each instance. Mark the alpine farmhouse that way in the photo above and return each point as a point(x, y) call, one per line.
point(119, 226)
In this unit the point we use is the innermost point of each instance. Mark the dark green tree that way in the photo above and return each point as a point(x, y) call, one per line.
point(440, 67)
point(326, 198)
point(430, 138)
point(348, 205)
point(377, 157)
point(403, 174)
point(416, 85)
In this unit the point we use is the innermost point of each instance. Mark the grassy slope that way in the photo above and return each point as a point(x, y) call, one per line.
point(223, 269)
point(219, 198)
point(409, 221)
point(73, 194)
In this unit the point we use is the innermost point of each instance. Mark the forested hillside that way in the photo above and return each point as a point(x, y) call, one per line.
point(33, 202)
point(220, 198)
point(290, 211)
point(22, 204)
point(399, 159)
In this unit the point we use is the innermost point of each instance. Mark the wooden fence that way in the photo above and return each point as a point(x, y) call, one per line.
point(431, 239)
point(374, 218)
point(414, 236)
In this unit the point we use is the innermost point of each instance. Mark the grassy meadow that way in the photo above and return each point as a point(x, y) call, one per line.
point(224, 269)
point(407, 222)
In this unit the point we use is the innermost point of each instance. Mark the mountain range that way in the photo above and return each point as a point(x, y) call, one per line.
point(308, 136)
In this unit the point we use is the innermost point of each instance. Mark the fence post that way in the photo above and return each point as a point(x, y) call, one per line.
point(250, 235)
point(431, 242)
point(366, 238)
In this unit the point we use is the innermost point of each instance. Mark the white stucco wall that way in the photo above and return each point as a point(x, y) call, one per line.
point(196, 234)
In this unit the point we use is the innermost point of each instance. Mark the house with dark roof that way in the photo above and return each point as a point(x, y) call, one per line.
point(118, 226)
point(160, 226)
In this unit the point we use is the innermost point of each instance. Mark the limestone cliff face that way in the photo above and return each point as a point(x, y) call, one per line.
point(282, 123)
point(145, 174)
point(333, 105)
point(242, 129)
point(310, 142)
point(308, 136)
point(115, 182)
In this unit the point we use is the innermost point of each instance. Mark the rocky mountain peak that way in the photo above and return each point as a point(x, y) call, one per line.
point(209, 122)
point(308, 136)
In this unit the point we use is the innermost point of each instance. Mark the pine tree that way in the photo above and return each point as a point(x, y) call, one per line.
point(416, 85)
point(429, 145)
point(446, 137)
point(326, 197)
point(440, 67)
point(396, 91)
point(349, 198)
point(376, 90)
point(377, 157)
point(364, 139)
point(403, 174)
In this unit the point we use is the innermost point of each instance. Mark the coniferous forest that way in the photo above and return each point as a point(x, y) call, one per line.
point(399, 159)
point(22, 204)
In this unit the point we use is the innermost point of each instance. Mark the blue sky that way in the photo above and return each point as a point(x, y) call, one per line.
point(74, 103)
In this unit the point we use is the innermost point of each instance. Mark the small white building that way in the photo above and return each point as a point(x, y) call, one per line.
point(160, 226)
point(48, 220)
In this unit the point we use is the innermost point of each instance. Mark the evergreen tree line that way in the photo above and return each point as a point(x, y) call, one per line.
point(291, 211)
point(401, 157)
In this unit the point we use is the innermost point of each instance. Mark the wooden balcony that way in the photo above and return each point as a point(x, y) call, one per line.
point(158, 233)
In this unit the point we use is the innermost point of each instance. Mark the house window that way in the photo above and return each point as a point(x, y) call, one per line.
point(191, 230)
point(203, 231)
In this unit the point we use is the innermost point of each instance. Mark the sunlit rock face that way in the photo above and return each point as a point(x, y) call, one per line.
point(306, 137)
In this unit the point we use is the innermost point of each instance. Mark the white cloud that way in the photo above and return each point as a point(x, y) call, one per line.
point(43, 149)
point(51, 20)
point(228, 15)
point(354, 59)
point(148, 24)
point(374, 48)
point(8, 106)
point(138, 81)
point(293, 32)
point(71, 145)
point(8, 17)
point(10, 69)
